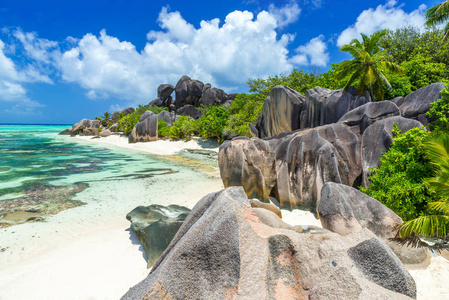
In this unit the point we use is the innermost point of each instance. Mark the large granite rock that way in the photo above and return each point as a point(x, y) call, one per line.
point(280, 112)
point(164, 91)
point(155, 226)
point(188, 110)
point(365, 115)
point(212, 96)
point(86, 127)
point(188, 91)
point(377, 139)
point(323, 106)
point(345, 210)
point(223, 250)
point(145, 131)
point(292, 167)
point(415, 105)
point(146, 115)
point(126, 111)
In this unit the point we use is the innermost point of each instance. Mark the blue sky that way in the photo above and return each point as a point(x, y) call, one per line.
point(61, 61)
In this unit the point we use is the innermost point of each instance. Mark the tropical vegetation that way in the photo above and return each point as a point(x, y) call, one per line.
point(439, 14)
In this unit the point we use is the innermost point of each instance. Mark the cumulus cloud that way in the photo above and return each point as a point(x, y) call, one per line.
point(313, 53)
point(286, 14)
point(390, 15)
point(224, 54)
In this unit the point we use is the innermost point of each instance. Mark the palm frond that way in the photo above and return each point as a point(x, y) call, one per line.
point(436, 225)
point(437, 14)
point(440, 206)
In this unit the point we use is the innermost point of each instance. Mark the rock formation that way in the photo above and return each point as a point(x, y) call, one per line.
point(189, 110)
point(86, 127)
point(211, 96)
point(125, 112)
point(145, 131)
point(188, 91)
point(293, 167)
point(223, 250)
point(155, 226)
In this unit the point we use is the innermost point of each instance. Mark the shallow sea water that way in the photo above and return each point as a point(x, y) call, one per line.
point(43, 172)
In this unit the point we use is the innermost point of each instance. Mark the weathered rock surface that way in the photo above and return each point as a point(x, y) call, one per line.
point(292, 167)
point(105, 132)
point(145, 131)
point(224, 251)
point(211, 96)
point(415, 105)
point(365, 115)
point(268, 206)
point(165, 90)
point(146, 115)
point(378, 138)
point(323, 106)
point(67, 131)
point(125, 112)
point(188, 91)
point(280, 112)
point(86, 127)
point(155, 226)
point(189, 110)
point(345, 210)
point(113, 127)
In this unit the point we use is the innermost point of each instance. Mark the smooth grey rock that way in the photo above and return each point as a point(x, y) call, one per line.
point(189, 110)
point(212, 96)
point(145, 115)
point(365, 115)
point(255, 203)
point(280, 112)
point(165, 116)
point(155, 226)
point(415, 105)
point(113, 127)
point(145, 131)
point(377, 139)
point(188, 91)
point(165, 90)
point(344, 210)
point(223, 250)
point(125, 112)
point(159, 102)
point(86, 127)
point(323, 106)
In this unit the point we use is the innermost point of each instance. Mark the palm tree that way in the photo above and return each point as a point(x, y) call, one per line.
point(367, 66)
point(434, 225)
point(439, 14)
point(106, 119)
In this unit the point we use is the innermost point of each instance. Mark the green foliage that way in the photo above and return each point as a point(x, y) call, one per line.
point(183, 129)
point(127, 123)
point(434, 225)
point(440, 111)
point(439, 14)
point(162, 129)
point(244, 110)
point(300, 81)
point(212, 122)
point(367, 66)
point(399, 182)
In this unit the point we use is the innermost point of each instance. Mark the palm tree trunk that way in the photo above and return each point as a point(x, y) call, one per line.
point(371, 94)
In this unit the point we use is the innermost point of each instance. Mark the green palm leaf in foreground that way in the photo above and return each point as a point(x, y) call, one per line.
point(367, 65)
point(434, 225)
point(439, 14)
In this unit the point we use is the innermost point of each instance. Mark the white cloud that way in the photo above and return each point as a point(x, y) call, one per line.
point(286, 14)
point(387, 16)
point(224, 54)
point(313, 53)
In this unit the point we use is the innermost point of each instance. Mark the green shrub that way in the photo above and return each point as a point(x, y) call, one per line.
point(212, 122)
point(184, 128)
point(440, 111)
point(400, 181)
point(127, 123)
point(162, 129)
point(244, 110)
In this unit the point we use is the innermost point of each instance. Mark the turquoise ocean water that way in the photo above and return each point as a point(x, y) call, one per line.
point(41, 171)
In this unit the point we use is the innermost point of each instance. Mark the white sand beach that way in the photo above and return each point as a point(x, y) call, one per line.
point(88, 252)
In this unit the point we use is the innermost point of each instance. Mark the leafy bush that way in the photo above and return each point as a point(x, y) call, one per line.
point(244, 110)
point(162, 129)
point(184, 128)
point(440, 111)
point(212, 122)
point(399, 182)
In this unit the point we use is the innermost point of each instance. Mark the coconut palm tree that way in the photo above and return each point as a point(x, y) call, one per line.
point(439, 14)
point(434, 225)
point(366, 68)
point(106, 119)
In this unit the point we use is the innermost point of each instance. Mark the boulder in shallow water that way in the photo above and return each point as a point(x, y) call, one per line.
point(223, 250)
point(155, 226)
point(86, 127)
